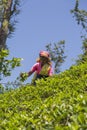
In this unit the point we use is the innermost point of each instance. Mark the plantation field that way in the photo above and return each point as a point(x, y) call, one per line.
point(59, 103)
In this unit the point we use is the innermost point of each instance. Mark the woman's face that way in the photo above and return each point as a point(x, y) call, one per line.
point(43, 59)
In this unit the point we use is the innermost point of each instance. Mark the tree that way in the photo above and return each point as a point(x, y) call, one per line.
point(8, 10)
point(83, 57)
point(6, 66)
point(81, 18)
point(57, 54)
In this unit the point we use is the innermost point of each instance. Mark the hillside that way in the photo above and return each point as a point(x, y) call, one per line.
point(60, 103)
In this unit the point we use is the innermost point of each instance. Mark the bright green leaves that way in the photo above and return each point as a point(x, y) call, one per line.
point(57, 103)
point(15, 62)
point(6, 65)
point(4, 53)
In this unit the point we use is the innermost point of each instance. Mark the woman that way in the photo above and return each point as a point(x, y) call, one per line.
point(42, 68)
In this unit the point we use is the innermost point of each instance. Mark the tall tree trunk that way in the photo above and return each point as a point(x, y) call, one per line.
point(4, 30)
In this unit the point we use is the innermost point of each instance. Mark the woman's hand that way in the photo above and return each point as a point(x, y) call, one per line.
point(23, 76)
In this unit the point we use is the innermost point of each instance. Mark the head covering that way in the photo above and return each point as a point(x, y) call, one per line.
point(44, 54)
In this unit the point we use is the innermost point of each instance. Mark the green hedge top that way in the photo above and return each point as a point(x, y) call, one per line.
point(59, 103)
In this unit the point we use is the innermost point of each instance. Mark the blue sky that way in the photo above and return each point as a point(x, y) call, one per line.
point(39, 23)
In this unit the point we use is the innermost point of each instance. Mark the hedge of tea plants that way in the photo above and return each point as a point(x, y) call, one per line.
point(58, 103)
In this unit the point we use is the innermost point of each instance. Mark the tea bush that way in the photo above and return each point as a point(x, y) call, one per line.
point(59, 103)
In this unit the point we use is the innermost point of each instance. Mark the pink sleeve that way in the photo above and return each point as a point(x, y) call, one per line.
point(34, 67)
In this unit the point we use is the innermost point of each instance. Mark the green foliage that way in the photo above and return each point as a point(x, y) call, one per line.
point(1, 88)
point(81, 19)
point(59, 103)
point(6, 66)
point(57, 54)
point(80, 15)
point(83, 57)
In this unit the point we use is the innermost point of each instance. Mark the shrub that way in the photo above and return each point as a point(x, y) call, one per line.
point(59, 103)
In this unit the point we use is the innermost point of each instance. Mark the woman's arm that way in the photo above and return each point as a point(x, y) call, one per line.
point(30, 73)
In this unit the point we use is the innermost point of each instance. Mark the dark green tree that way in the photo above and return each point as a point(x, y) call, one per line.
point(81, 18)
point(8, 10)
point(80, 15)
point(57, 54)
point(83, 57)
